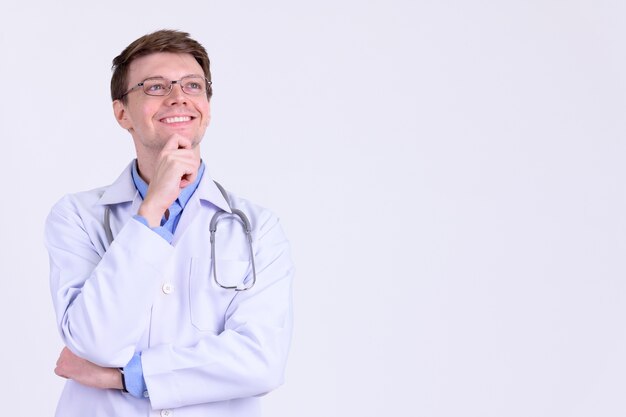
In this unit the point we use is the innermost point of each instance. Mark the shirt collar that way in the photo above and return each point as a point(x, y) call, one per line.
point(124, 190)
point(185, 193)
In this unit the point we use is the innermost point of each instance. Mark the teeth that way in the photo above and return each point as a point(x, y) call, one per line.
point(177, 119)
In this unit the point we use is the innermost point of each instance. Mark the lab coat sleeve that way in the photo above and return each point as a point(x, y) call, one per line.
point(246, 359)
point(102, 303)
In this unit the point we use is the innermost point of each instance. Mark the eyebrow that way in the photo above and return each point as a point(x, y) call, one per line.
point(155, 77)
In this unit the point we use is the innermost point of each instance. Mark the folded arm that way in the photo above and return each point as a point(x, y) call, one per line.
point(95, 296)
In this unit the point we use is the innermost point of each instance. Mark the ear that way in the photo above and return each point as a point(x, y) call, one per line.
point(121, 115)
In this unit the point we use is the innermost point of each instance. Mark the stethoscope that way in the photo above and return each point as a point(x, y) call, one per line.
point(245, 223)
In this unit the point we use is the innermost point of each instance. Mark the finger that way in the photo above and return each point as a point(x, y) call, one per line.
point(172, 144)
point(190, 175)
point(177, 141)
point(59, 371)
point(183, 142)
point(184, 182)
point(182, 161)
point(187, 179)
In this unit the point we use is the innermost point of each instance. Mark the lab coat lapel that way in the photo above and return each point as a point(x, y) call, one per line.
point(122, 198)
point(122, 190)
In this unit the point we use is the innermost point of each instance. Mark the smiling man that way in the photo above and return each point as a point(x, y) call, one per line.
point(172, 296)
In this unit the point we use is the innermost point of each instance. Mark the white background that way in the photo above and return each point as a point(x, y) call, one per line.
point(450, 174)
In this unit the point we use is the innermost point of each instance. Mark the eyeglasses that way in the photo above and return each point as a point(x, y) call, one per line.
point(193, 85)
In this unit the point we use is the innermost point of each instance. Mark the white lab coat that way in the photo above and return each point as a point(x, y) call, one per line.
point(206, 351)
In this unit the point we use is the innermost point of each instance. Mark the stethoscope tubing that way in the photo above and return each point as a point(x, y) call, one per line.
point(245, 222)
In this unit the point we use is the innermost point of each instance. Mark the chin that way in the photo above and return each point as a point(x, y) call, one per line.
point(195, 141)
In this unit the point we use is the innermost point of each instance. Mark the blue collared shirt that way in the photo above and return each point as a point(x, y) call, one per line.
point(133, 371)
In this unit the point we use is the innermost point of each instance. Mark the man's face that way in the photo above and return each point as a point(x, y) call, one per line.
point(152, 120)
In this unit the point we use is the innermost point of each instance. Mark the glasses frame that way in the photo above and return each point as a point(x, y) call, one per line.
point(169, 90)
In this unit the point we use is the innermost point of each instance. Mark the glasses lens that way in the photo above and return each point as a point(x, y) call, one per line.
point(156, 86)
point(193, 85)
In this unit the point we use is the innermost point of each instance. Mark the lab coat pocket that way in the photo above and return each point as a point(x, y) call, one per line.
point(207, 300)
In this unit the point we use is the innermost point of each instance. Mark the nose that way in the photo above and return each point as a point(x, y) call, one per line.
point(177, 95)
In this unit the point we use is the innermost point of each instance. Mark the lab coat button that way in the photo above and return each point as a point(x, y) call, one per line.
point(166, 413)
point(167, 288)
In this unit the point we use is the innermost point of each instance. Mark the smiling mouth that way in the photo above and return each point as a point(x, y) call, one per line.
point(177, 119)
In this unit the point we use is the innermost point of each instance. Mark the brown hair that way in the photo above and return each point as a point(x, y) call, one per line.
point(159, 41)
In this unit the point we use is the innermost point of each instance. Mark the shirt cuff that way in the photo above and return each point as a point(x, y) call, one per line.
point(160, 230)
point(133, 376)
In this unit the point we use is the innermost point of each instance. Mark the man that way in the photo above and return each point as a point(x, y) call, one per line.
point(155, 318)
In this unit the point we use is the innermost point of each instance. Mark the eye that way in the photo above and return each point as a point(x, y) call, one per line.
point(155, 86)
point(194, 85)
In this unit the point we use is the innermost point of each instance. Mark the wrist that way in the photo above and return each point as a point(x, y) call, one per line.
point(113, 379)
point(152, 214)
